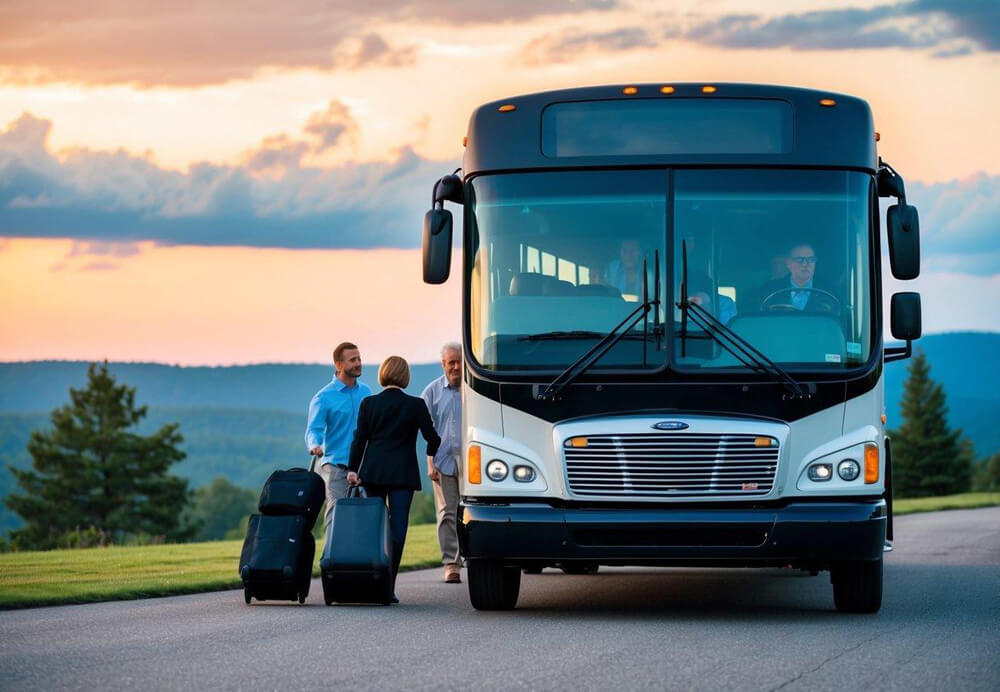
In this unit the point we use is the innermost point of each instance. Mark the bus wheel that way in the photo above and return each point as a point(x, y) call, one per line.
point(579, 567)
point(492, 586)
point(857, 586)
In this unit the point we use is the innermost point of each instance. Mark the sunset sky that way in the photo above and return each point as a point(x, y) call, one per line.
point(236, 182)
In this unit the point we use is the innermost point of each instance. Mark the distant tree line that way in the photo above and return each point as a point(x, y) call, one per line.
point(94, 480)
point(929, 457)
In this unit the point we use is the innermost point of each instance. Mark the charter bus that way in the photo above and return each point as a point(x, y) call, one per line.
point(673, 333)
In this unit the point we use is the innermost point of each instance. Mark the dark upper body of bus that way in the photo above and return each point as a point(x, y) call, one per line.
point(581, 204)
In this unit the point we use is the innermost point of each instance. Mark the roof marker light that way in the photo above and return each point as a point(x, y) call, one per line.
point(829, 103)
point(878, 137)
point(708, 89)
point(666, 90)
point(465, 141)
point(629, 90)
point(507, 108)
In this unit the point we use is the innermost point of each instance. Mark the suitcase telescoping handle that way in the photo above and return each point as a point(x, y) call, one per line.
point(312, 462)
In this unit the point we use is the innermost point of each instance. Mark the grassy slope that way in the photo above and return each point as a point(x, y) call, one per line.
point(106, 574)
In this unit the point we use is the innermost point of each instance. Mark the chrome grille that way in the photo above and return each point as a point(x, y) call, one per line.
point(672, 464)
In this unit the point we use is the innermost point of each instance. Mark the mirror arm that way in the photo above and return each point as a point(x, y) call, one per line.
point(887, 171)
point(899, 352)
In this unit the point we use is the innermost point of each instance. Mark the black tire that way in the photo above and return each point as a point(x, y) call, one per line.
point(579, 567)
point(302, 598)
point(857, 586)
point(493, 586)
point(246, 595)
point(328, 601)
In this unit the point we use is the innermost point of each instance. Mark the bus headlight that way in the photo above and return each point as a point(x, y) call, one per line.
point(524, 474)
point(496, 470)
point(820, 472)
point(848, 469)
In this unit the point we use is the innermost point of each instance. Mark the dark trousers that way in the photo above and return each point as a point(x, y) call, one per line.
point(398, 500)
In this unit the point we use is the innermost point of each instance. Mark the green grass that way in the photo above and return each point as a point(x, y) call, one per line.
point(935, 504)
point(107, 574)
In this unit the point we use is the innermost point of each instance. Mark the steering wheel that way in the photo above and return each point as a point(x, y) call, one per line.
point(819, 301)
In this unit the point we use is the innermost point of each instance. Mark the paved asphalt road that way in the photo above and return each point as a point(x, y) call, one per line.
point(623, 629)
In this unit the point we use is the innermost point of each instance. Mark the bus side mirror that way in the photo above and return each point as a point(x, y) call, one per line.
point(903, 226)
point(905, 316)
point(437, 246)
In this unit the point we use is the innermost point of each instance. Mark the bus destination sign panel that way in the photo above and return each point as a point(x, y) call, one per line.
point(657, 127)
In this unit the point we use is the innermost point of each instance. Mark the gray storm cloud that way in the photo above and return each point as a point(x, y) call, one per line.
point(116, 197)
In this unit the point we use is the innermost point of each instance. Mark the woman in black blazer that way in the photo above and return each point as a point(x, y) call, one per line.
point(383, 453)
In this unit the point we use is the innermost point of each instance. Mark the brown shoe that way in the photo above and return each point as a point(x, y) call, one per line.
point(452, 574)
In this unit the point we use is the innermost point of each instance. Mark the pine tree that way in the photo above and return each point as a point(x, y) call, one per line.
point(93, 470)
point(928, 457)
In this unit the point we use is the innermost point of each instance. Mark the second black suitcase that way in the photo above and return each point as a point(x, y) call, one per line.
point(295, 491)
point(277, 558)
point(356, 566)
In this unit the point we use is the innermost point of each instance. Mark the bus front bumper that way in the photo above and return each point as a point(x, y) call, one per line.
point(802, 534)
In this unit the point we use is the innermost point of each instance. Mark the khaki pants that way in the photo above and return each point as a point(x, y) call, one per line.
point(335, 479)
point(446, 502)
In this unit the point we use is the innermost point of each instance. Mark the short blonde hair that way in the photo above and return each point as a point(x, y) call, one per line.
point(394, 372)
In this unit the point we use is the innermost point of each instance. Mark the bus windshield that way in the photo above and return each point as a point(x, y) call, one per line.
point(555, 260)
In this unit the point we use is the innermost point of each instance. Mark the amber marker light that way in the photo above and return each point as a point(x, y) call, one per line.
point(507, 108)
point(878, 137)
point(629, 90)
point(829, 103)
point(884, 419)
point(465, 141)
point(474, 464)
point(576, 442)
point(764, 442)
point(666, 90)
point(708, 89)
point(871, 463)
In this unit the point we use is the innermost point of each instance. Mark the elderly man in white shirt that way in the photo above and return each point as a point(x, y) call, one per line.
point(444, 400)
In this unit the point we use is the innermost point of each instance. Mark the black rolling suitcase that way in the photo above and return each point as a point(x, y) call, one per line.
point(356, 565)
point(277, 558)
point(279, 549)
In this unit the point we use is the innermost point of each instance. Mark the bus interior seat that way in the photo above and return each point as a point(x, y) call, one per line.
point(558, 287)
point(528, 284)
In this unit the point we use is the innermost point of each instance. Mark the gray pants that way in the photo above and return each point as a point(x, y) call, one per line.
point(446, 502)
point(335, 478)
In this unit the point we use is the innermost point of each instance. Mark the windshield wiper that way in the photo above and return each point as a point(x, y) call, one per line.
point(736, 345)
point(621, 331)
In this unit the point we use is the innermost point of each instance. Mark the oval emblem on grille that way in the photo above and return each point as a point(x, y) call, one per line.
point(670, 425)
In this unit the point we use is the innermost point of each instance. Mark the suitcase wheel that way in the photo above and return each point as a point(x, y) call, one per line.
point(246, 595)
point(302, 598)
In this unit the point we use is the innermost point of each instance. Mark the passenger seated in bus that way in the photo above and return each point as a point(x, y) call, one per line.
point(625, 273)
point(798, 290)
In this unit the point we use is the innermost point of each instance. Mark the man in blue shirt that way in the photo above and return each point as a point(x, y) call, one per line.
point(443, 397)
point(333, 416)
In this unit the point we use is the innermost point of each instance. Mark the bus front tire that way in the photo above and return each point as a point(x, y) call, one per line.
point(492, 585)
point(857, 586)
